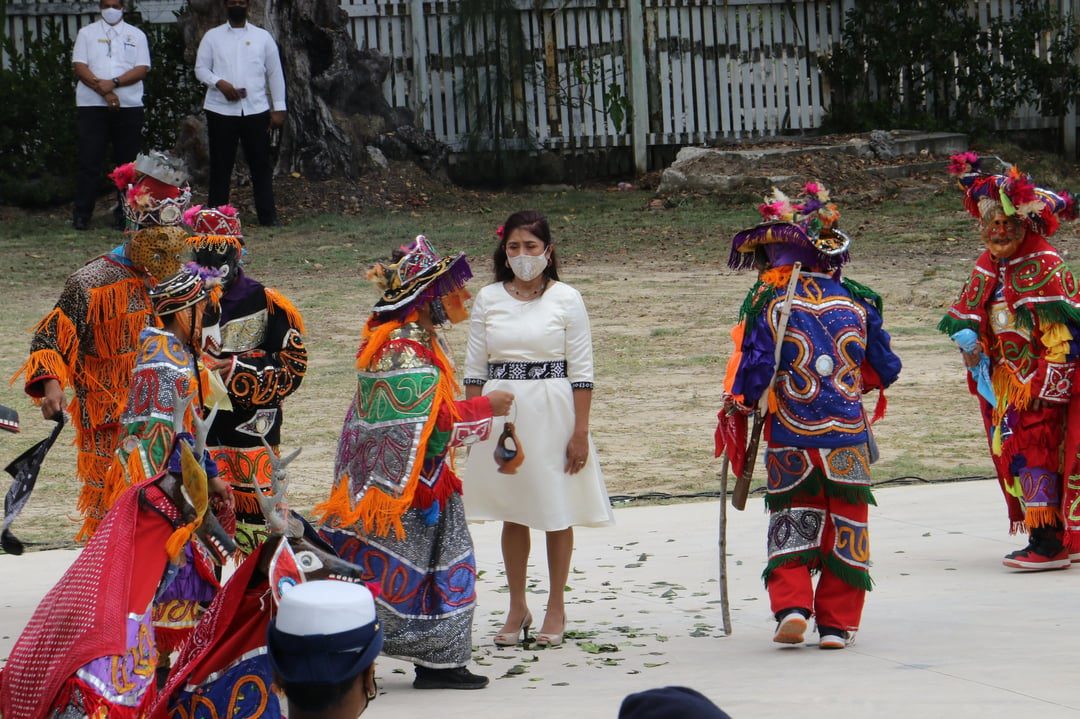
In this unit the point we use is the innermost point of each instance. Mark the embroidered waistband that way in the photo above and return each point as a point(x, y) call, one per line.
point(527, 370)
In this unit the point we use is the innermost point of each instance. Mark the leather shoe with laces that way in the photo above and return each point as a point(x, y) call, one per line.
point(80, 223)
point(455, 678)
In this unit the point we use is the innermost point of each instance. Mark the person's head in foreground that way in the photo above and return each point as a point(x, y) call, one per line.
point(670, 703)
point(322, 647)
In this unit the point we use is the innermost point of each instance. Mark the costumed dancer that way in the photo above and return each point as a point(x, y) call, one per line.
point(1020, 308)
point(819, 443)
point(257, 347)
point(90, 340)
point(396, 506)
point(90, 648)
point(166, 377)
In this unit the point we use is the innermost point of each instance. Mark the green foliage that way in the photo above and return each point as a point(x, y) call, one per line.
point(170, 91)
point(37, 121)
point(928, 64)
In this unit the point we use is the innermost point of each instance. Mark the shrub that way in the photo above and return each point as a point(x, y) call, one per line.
point(38, 120)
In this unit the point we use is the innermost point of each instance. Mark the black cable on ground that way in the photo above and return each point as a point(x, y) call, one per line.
point(904, 480)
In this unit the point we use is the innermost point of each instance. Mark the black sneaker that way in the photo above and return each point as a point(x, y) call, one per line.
point(456, 678)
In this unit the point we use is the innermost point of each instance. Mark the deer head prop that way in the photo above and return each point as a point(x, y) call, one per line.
point(292, 553)
point(301, 555)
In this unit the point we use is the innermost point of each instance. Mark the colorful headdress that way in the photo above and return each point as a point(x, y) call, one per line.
point(419, 276)
point(154, 190)
point(808, 222)
point(180, 291)
point(1014, 193)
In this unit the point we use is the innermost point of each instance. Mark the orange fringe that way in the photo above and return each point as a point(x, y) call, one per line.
point(246, 502)
point(276, 300)
point(778, 276)
point(1042, 517)
point(52, 363)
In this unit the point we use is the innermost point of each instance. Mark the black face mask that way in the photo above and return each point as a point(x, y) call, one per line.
point(236, 14)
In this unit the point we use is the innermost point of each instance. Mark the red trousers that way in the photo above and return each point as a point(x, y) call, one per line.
point(835, 602)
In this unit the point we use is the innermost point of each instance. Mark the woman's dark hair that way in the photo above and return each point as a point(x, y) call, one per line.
point(531, 221)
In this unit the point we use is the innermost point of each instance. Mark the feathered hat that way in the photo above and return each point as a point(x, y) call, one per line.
point(1014, 193)
point(808, 221)
point(217, 240)
point(418, 276)
point(154, 190)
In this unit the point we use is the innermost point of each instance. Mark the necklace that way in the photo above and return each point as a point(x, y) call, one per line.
point(528, 295)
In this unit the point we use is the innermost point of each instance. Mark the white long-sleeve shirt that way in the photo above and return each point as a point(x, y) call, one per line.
point(110, 51)
point(246, 57)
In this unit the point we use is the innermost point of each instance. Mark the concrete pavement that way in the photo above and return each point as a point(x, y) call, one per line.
point(948, 631)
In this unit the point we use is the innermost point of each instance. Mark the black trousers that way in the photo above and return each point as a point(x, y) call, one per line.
point(100, 127)
point(224, 132)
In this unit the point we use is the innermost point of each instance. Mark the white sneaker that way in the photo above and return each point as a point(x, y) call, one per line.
point(790, 629)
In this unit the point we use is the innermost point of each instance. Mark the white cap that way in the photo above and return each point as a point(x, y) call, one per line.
point(325, 607)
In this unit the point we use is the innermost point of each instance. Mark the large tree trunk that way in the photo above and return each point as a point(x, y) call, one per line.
point(335, 101)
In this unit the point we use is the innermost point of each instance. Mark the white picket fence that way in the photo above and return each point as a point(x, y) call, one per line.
point(692, 71)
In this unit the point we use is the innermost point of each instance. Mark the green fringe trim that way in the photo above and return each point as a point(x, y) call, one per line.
point(810, 486)
point(1060, 312)
point(759, 296)
point(811, 557)
point(849, 575)
point(950, 325)
point(814, 484)
point(851, 493)
point(864, 293)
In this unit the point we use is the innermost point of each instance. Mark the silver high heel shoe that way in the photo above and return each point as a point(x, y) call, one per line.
point(545, 640)
point(510, 639)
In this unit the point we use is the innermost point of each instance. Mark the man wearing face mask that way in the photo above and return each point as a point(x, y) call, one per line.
point(245, 102)
point(1020, 310)
point(110, 59)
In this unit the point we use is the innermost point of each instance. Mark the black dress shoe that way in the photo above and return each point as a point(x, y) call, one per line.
point(456, 678)
point(119, 221)
point(270, 222)
point(81, 223)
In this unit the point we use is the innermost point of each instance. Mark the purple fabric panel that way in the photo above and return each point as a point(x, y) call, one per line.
point(238, 292)
point(756, 367)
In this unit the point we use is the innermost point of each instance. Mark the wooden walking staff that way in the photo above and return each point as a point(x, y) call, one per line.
point(725, 604)
point(761, 409)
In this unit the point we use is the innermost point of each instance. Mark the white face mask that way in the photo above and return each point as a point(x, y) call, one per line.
point(112, 15)
point(528, 267)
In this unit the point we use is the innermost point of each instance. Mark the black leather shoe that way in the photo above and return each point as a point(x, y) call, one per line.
point(456, 678)
point(81, 223)
point(270, 222)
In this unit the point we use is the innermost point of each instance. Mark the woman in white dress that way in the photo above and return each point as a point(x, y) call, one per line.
point(530, 335)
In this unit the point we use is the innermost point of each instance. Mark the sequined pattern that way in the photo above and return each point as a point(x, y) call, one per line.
point(428, 585)
point(795, 530)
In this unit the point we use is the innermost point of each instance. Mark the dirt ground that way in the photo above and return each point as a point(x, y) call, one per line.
point(660, 335)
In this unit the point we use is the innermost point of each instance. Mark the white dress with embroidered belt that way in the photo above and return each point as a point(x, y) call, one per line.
point(539, 350)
